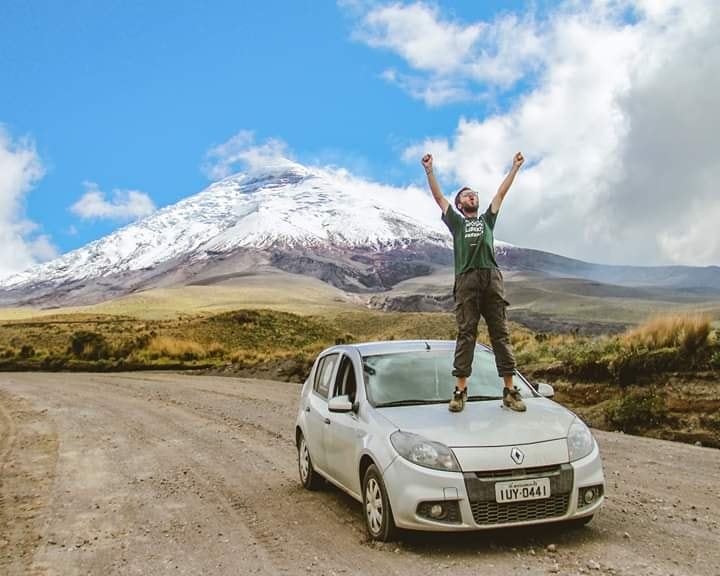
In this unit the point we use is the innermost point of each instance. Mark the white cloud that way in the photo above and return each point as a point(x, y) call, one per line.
point(414, 201)
point(454, 56)
point(418, 35)
point(124, 205)
point(20, 170)
point(618, 124)
point(242, 151)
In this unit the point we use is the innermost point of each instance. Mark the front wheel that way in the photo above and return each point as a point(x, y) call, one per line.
point(310, 479)
point(379, 521)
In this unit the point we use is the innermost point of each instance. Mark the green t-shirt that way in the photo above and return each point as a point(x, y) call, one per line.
point(472, 239)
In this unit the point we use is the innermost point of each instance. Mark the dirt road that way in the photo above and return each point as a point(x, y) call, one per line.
point(178, 474)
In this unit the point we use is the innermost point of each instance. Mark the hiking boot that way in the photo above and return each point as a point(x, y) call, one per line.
point(512, 399)
point(458, 400)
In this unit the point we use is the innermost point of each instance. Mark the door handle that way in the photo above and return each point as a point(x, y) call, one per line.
point(327, 420)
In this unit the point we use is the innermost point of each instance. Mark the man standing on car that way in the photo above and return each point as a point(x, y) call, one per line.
point(478, 289)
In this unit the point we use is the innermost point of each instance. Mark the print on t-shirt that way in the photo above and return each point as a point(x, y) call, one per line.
point(474, 229)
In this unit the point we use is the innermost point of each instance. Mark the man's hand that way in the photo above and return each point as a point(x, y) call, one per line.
point(427, 162)
point(505, 186)
point(518, 160)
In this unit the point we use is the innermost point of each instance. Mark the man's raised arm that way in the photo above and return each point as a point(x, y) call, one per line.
point(427, 162)
point(505, 186)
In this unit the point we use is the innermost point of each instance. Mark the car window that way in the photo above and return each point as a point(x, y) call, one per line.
point(345, 383)
point(427, 376)
point(323, 375)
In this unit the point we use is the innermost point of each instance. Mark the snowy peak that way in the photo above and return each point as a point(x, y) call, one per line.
point(281, 204)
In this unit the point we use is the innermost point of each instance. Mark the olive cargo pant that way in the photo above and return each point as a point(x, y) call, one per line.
point(481, 292)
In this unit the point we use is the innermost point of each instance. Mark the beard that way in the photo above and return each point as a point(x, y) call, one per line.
point(468, 207)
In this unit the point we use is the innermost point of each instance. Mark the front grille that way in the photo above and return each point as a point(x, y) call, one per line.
point(488, 513)
point(513, 473)
point(480, 488)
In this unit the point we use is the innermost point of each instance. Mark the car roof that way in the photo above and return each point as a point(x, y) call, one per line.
point(398, 346)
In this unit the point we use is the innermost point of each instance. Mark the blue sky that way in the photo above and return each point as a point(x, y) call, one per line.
point(131, 96)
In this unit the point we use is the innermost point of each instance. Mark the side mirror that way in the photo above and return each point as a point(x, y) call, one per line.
point(545, 390)
point(340, 404)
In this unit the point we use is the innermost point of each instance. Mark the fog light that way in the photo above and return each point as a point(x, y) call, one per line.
point(589, 495)
point(440, 511)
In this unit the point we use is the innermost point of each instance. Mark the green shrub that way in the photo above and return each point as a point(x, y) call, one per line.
point(715, 360)
point(586, 359)
point(632, 364)
point(637, 410)
point(128, 347)
point(87, 345)
point(711, 421)
point(27, 351)
point(346, 338)
point(54, 362)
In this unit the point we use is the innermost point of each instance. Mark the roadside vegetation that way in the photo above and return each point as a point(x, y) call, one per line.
point(660, 378)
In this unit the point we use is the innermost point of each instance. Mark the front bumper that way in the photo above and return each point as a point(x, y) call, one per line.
point(409, 486)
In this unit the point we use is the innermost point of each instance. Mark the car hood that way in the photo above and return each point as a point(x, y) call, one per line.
point(483, 423)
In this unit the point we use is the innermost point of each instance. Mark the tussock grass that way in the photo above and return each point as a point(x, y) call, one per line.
point(689, 332)
point(177, 348)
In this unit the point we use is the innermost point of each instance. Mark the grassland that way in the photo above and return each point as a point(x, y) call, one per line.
point(660, 378)
point(282, 292)
point(575, 305)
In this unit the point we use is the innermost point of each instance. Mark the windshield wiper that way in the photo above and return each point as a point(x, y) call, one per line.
point(409, 403)
point(471, 398)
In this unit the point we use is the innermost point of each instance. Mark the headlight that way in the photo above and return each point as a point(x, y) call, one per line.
point(580, 440)
point(424, 452)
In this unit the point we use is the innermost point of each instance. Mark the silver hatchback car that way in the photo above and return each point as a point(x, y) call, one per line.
point(373, 420)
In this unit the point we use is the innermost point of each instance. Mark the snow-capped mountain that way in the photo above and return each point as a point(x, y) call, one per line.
point(286, 211)
point(310, 221)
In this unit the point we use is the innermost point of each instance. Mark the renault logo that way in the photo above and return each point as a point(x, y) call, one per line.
point(517, 455)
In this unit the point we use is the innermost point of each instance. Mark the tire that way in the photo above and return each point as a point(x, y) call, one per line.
point(377, 513)
point(310, 479)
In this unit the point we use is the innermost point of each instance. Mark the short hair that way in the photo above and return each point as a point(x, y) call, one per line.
point(457, 196)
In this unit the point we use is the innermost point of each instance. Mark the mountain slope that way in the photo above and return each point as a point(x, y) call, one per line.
point(287, 216)
point(305, 221)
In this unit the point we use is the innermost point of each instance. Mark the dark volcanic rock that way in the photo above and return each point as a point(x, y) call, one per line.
point(413, 303)
point(362, 270)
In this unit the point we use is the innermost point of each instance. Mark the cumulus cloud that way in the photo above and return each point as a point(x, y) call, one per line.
point(454, 56)
point(124, 204)
point(616, 116)
point(21, 244)
point(414, 201)
point(242, 151)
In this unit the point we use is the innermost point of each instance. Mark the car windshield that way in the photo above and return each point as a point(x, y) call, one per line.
point(420, 377)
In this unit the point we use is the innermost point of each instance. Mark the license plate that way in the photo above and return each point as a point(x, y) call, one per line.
point(519, 490)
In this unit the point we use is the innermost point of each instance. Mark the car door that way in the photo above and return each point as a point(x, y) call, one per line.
point(317, 417)
point(343, 435)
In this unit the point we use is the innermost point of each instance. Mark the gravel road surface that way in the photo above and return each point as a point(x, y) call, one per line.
point(163, 473)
